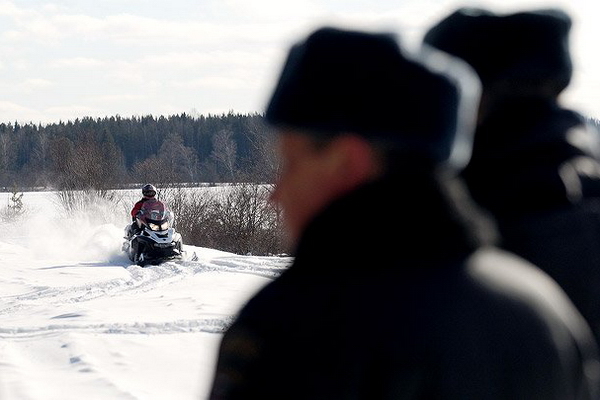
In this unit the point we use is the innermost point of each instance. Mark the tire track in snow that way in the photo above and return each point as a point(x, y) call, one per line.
point(207, 325)
point(139, 280)
point(268, 267)
point(142, 279)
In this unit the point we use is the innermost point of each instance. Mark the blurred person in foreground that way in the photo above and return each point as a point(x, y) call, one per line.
point(534, 164)
point(394, 291)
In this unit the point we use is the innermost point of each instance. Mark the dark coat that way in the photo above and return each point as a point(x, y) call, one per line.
point(535, 169)
point(391, 297)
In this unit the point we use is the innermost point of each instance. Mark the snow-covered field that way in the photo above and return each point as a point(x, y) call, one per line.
point(78, 321)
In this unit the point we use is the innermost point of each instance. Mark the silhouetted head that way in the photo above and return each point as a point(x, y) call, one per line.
point(523, 53)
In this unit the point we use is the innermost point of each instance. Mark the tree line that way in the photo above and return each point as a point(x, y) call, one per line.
point(114, 152)
point(84, 160)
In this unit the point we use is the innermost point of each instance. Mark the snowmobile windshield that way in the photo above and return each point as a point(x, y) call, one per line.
point(156, 215)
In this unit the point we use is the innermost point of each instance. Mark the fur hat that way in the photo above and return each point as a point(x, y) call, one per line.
point(339, 81)
point(528, 49)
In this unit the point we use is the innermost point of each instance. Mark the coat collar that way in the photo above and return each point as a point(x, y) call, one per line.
point(418, 218)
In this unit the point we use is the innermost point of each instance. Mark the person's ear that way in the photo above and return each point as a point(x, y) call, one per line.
point(353, 159)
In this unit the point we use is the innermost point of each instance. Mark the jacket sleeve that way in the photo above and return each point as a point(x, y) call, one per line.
point(136, 208)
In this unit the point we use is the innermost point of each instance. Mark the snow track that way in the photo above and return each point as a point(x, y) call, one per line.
point(147, 328)
point(141, 279)
point(134, 284)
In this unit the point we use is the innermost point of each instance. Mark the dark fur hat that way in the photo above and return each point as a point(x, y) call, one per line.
point(339, 81)
point(528, 48)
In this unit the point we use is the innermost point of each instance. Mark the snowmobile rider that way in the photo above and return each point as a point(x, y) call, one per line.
point(148, 192)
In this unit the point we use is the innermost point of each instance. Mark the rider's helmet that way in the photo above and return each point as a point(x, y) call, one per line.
point(149, 191)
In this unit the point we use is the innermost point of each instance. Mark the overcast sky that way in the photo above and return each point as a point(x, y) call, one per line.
point(67, 59)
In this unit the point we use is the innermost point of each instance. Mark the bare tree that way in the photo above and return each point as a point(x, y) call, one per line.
point(263, 165)
point(15, 208)
point(84, 172)
point(192, 212)
point(225, 152)
point(181, 160)
point(245, 222)
point(153, 170)
point(40, 162)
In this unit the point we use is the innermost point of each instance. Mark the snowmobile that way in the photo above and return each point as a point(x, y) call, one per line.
point(151, 239)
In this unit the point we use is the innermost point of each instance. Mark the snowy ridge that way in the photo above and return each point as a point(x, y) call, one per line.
point(145, 328)
point(269, 267)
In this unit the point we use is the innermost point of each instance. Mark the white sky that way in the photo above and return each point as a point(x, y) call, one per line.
point(78, 321)
point(67, 59)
